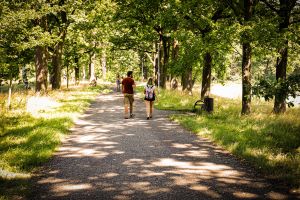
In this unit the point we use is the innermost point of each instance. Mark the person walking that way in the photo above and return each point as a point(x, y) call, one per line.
point(118, 82)
point(127, 88)
point(149, 92)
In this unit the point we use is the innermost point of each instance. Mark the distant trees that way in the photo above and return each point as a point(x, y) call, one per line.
point(187, 40)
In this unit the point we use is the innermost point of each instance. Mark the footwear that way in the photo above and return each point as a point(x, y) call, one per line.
point(148, 118)
point(131, 115)
point(125, 117)
point(151, 116)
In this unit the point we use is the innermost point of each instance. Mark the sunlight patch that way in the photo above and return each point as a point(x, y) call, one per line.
point(245, 195)
point(73, 187)
point(36, 104)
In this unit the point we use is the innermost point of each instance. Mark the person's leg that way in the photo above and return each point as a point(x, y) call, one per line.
point(126, 103)
point(131, 99)
point(151, 108)
point(147, 103)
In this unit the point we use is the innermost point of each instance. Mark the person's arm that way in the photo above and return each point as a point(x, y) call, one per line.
point(133, 84)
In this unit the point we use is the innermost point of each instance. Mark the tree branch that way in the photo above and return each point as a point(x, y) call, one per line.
point(150, 58)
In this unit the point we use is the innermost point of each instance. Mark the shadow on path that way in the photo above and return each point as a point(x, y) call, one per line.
point(108, 157)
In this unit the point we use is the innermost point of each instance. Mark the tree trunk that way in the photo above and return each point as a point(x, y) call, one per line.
point(246, 61)
point(166, 55)
point(167, 46)
point(175, 53)
point(41, 69)
point(56, 64)
point(246, 79)
point(58, 50)
point(142, 66)
point(206, 76)
point(175, 50)
point(104, 69)
point(157, 63)
point(9, 90)
point(76, 71)
point(84, 73)
point(68, 76)
point(90, 64)
point(93, 80)
point(281, 65)
point(280, 98)
point(187, 80)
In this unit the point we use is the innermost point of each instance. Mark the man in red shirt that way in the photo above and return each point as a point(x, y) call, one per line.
point(127, 89)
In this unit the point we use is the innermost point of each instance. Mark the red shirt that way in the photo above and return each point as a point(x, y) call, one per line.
point(127, 85)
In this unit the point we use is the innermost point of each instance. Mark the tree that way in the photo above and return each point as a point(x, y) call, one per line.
point(287, 14)
point(201, 18)
point(244, 12)
point(155, 20)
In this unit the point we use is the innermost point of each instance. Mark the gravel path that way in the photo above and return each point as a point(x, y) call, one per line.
point(108, 157)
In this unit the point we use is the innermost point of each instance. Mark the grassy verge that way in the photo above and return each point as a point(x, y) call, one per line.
point(270, 142)
point(28, 140)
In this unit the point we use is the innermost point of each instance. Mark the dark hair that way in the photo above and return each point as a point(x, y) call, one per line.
point(129, 73)
point(150, 81)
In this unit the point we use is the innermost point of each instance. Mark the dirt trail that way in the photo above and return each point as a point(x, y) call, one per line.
point(108, 157)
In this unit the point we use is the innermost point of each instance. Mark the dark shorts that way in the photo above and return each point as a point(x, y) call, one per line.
point(128, 98)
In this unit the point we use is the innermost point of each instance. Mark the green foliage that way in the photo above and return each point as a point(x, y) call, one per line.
point(268, 88)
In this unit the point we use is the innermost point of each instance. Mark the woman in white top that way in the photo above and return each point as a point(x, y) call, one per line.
point(149, 92)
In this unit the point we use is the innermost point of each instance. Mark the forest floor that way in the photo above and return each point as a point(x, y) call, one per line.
point(108, 157)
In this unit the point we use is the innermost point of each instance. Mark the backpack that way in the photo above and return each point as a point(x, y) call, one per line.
point(149, 95)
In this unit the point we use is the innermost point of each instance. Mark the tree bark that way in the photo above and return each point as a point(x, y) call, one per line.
point(76, 71)
point(187, 80)
point(157, 63)
point(56, 64)
point(166, 54)
point(41, 69)
point(246, 78)
point(281, 64)
point(280, 98)
point(58, 50)
point(93, 80)
point(175, 53)
point(246, 61)
point(206, 76)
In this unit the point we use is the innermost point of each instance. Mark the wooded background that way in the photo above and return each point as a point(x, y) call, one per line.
point(256, 41)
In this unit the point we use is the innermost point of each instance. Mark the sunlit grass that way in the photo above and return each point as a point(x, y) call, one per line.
point(178, 101)
point(270, 142)
point(29, 134)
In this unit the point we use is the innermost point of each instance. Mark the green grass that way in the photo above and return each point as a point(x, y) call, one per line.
point(180, 101)
point(28, 140)
point(270, 142)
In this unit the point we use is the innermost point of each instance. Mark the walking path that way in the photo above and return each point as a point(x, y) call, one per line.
point(108, 157)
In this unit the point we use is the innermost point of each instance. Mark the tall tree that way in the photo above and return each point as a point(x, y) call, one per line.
point(153, 21)
point(288, 13)
point(201, 17)
point(244, 12)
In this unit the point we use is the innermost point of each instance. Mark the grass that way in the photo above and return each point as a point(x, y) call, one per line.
point(270, 142)
point(28, 140)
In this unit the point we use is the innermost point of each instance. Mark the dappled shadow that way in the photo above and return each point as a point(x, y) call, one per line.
point(108, 157)
point(31, 142)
